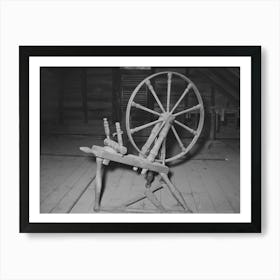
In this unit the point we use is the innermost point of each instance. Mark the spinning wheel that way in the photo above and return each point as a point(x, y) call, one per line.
point(153, 154)
point(167, 113)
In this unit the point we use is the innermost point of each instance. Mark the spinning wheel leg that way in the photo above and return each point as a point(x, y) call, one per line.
point(149, 194)
point(98, 183)
point(175, 192)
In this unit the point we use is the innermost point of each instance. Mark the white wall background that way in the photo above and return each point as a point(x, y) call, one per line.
point(139, 256)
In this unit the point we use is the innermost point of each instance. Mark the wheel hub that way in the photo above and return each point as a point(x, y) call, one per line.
point(167, 117)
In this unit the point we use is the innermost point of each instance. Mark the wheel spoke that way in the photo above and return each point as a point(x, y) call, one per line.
point(141, 127)
point(139, 106)
point(149, 85)
point(196, 107)
point(169, 75)
point(181, 97)
point(178, 138)
point(194, 132)
point(163, 151)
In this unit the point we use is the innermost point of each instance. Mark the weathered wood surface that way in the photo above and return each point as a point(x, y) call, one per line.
point(203, 192)
point(208, 186)
point(84, 93)
point(70, 199)
point(98, 182)
point(128, 159)
point(170, 117)
point(62, 182)
point(63, 101)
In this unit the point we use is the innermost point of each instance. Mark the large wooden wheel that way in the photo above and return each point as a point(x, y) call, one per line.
point(165, 111)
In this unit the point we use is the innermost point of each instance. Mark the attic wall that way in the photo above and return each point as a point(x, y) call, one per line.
point(67, 84)
point(75, 100)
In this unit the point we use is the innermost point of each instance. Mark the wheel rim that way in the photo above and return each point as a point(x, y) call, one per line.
point(166, 109)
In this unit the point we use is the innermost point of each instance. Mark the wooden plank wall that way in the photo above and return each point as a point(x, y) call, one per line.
point(74, 100)
point(88, 88)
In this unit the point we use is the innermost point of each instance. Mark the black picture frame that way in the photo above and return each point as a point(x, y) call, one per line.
point(25, 52)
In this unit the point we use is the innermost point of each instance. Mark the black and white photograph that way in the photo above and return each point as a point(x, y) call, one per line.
point(126, 136)
point(140, 139)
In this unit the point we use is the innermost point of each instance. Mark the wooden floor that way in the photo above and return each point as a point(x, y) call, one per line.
point(209, 181)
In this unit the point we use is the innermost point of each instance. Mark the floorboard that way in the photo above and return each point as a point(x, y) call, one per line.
point(209, 180)
point(66, 183)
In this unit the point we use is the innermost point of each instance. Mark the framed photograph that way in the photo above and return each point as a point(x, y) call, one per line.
point(140, 138)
